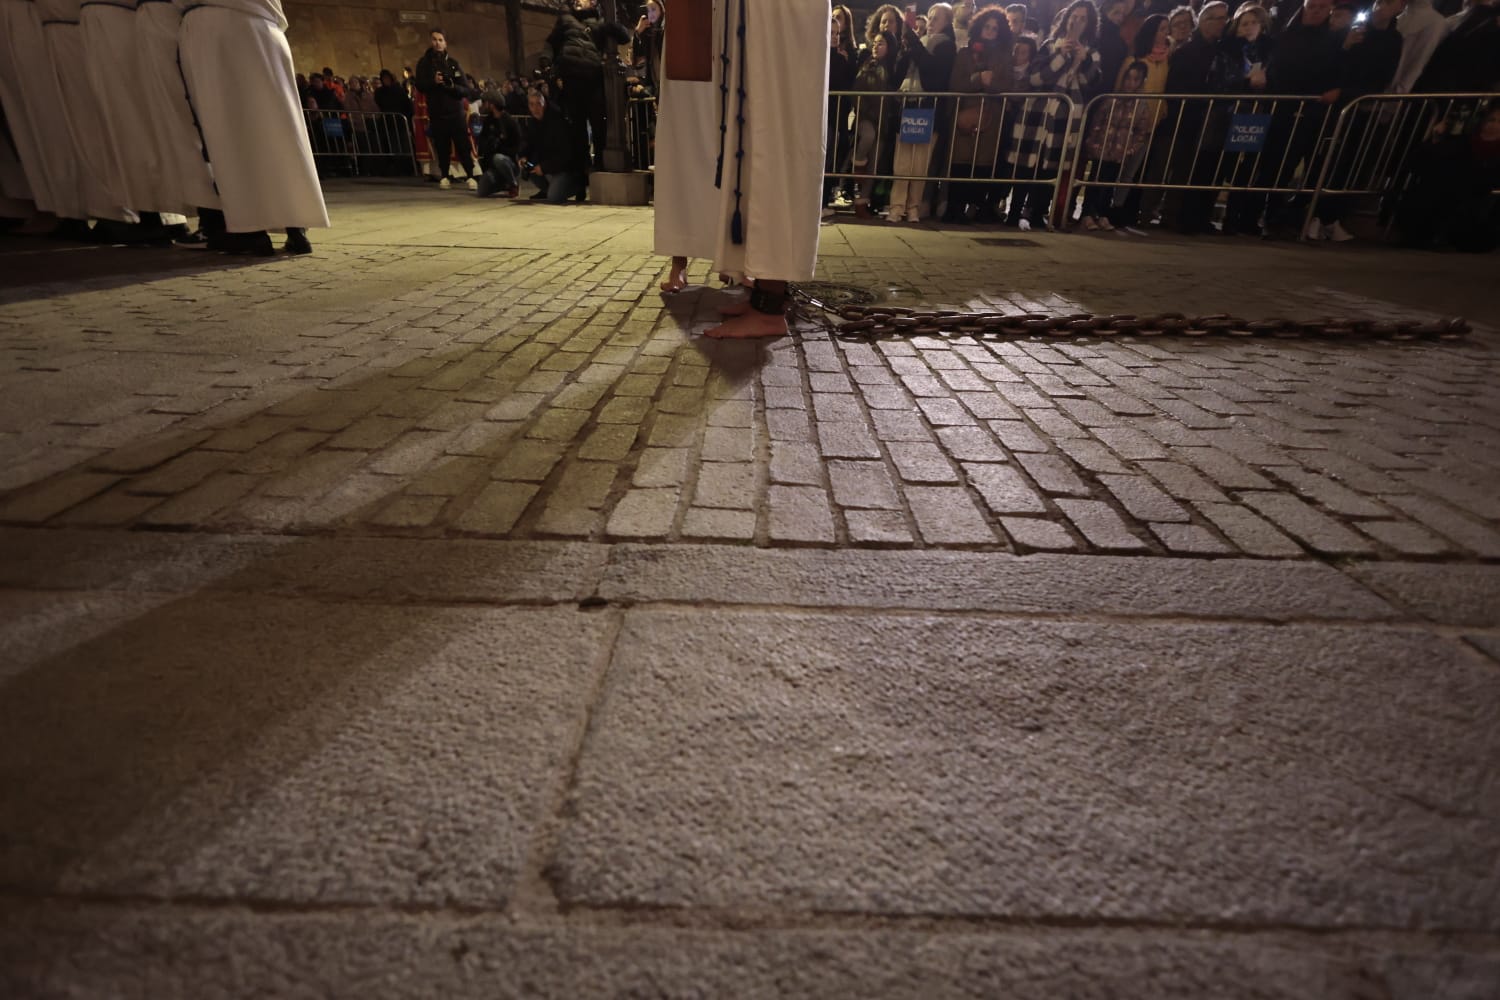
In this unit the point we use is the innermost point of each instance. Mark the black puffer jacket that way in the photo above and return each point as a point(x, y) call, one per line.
point(574, 54)
point(444, 100)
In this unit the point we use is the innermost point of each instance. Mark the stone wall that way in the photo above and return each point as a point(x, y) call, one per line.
point(360, 37)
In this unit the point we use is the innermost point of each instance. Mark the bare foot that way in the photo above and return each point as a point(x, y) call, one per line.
point(735, 307)
point(676, 277)
point(751, 325)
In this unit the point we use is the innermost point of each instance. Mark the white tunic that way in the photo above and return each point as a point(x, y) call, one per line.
point(243, 91)
point(185, 175)
point(114, 72)
point(82, 117)
point(51, 163)
point(781, 180)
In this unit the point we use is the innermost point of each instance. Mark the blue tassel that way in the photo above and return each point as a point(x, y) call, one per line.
point(737, 229)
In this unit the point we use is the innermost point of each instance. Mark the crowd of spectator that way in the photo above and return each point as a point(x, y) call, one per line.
point(1007, 148)
point(1001, 152)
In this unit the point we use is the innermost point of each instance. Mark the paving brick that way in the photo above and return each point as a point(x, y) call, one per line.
point(732, 413)
point(410, 512)
point(1052, 474)
point(486, 439)
point(788, 425)
point(202, 503)
point(1130, 444)
point(877, 527)
point(829, 382)
point(719, 525)
point(558, 425)
point(726, 484)
point(279, 452)
point(680, 400)
point(1141, 498)
point(795, 463)
point(370, 433)
point(1098, 523)
point(971, 444)
point(922, 463)
point(946, 515)
point(1248, 532)
point(800, 514)
point(496, 509)
point(885, 398)
point(1404, 537)
point(828, 406)
point(1479, 538)
point(944, 411)
point(1016, 436)
point(1004, 489)
point(314, 474)
point(988, 405)
point(900, 425)
point(150, 454)
point(1331, 495)
point(671, 430)
point(1316, 530)
point(644, 514)
point(1183, 482)
point(450, 477)
point(181, 473)
point(863, 484)
point(580, 396)
point(661, 467)
point(610, 442)
point(1091, 455)
point(1190, 539)
point(1224, 469)
point(528, 461)
point(847, 440)
point(110, 509)
point(1036, 533)
point(728, 444)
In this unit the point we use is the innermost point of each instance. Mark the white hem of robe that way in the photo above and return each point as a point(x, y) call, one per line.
point(243, 89)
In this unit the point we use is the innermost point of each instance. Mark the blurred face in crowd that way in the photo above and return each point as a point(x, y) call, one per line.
point(1017, 20)
point(1211, 22)
point(537, 105)
point(991, 30)
point(921, 26)
point(1341, 18)
point(1163, 35)
point(1249, 27)
point(317, 81)
point(890, 23)
point(387, 78)
point(1134, 80)
point(653, 12)
point(1180, 28)
point(881, 49)
point(1020, 56)
point(1489, 129)
point(939, 19)
point(439, 42)
point(1078, 22)
point(834, 33)
point(1315, 12)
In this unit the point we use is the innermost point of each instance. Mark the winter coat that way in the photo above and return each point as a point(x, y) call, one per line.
point(1468, 60)
point(444, 100)
point(498, 134)
point(1370, 66)
point(1113, 53)
point(550, 144)
point(574, 54)
point(1306, 61)
point(1239, 56)
point(979, 123)
point(1121, 128)
point(392, 99)
point(1053, 70)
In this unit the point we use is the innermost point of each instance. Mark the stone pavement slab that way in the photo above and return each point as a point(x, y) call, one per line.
point(179, 952)
point(950, 581)
point(284, 750)
point(1452, 595)
point(1202, 774)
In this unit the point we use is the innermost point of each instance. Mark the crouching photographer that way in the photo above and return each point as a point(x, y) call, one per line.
point(551, 158)
point(499, 143)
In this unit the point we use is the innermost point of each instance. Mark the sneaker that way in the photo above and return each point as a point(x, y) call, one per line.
point(1024, 225)
point(471, 184)
point(1089, 224)
point(1315, 231)
point(1105, 226)
point(1338, 234)
point(895, 215)
point(445, 184)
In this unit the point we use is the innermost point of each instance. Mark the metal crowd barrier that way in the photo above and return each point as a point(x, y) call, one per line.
point(640, 132)
point(1379, 137)
point(361, 143)
point(1021, 142)
point(1256, 147)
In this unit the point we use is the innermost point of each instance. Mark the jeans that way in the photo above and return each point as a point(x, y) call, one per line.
point(451, 135)
point(558, 188)
point(502, 175)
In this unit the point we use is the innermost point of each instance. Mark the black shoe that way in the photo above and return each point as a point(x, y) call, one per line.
point(71, 229)
point(254, 244)
point(192, 241)
point(296, 242)
point(539, 196)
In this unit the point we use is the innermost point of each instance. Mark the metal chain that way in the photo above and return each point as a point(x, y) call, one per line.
point(873, 321)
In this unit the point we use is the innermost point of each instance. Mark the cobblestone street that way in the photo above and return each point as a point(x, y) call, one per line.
point(1126, 666)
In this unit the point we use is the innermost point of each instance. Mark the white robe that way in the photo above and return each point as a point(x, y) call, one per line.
point(243, 89)
point(114, 71)
point(185, 174)
point(82, 117)
point(781, 183)
point(51, 164)
point(14, 187)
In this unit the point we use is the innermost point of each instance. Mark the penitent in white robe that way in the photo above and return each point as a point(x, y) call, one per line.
point(82, 117)
point(185, 173)
point(51, 163)
point(243, 91)
point(781, 183)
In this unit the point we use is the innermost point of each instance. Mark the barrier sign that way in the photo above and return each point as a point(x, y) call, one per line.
point(916, 124)
point(1247, 133)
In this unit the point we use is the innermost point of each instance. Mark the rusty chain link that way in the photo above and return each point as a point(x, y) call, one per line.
point(871, 321)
